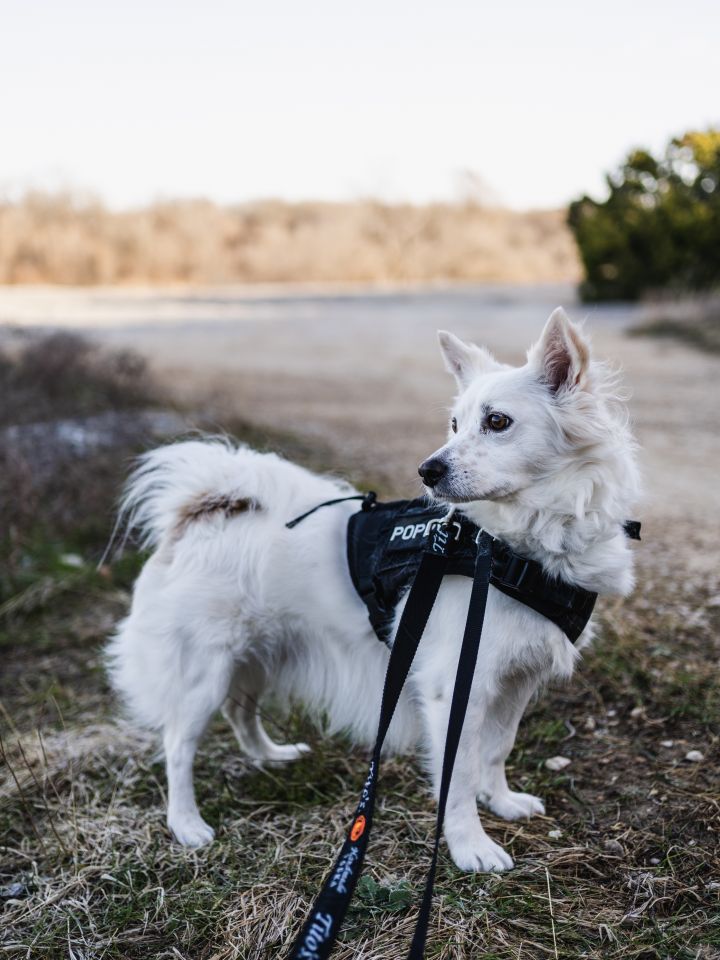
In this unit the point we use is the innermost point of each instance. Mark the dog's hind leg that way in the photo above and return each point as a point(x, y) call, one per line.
point(242, 710)
point(497, 732)
point(202, 684)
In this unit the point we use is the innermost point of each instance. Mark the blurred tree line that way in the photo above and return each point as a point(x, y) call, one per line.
point(659, 228)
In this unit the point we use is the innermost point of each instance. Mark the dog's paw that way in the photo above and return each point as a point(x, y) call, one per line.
point(278, 753)
point(287, 752)
point(516, 806)
point(191, 831)
point(480, 855)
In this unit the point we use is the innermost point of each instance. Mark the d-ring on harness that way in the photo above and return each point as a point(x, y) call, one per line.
point(320, 931)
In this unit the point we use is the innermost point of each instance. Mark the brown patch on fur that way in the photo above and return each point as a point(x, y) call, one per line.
point(207, 504)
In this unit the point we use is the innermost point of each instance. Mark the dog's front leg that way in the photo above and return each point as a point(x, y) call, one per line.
point(503, 710)
point(470, 847)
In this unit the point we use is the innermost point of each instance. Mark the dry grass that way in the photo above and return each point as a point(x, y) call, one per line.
point(69, 240)
point(625, 864)
point(628, 850)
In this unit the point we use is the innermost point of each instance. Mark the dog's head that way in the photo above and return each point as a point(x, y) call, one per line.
point(512, 426)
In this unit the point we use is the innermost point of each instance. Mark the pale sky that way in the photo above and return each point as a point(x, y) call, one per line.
point(326, 99)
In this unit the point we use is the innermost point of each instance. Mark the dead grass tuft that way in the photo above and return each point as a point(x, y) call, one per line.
point(72, 415)
point(56, 375)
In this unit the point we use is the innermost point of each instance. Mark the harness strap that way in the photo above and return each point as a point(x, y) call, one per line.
point(368, 502)
point(321, 929)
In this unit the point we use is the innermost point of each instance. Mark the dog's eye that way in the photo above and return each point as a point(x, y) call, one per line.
point(498, 422)
point(453, 424)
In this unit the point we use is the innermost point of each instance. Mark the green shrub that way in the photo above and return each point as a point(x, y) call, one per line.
point(659, 228)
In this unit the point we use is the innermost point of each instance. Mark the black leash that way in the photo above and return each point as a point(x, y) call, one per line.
point(458, 708)
point(321, 929)
point(510, 573)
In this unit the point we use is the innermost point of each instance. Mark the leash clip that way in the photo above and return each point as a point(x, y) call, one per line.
point(450, 524)
point(444, 533)
point(455, 528)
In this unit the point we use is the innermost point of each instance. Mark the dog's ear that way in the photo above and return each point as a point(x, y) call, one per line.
point(465, 360)
point(562, 354)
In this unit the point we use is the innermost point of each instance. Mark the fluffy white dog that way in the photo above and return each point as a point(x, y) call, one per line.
point(232, 605)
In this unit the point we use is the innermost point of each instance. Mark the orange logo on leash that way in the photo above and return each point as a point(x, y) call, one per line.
point(358, 828)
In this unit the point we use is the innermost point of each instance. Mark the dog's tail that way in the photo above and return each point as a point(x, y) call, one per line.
point(175, 485)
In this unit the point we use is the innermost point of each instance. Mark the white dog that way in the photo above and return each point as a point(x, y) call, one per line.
point(232, 605)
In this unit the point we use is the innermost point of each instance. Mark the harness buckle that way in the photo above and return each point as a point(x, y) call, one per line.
point(517, 571)
point(511, 570)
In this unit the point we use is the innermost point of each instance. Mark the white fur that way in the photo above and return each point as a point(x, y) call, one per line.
point(232, 606)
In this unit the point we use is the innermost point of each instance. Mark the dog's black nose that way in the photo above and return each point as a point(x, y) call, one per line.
point(432, 471)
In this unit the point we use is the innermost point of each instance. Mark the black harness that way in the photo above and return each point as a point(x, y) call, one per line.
point(391, 546)
point(384, 548)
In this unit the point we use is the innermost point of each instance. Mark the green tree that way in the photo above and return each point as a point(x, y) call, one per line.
point(659, 228)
